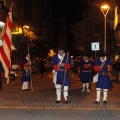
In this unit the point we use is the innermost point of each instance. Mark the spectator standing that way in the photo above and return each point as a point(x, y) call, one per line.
point(41, 67)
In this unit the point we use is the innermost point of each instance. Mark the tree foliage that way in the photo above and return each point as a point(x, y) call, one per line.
point(20, 42)
point(91, 29)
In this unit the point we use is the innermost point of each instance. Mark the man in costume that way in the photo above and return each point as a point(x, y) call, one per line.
point(41, 67)
point(85, 70)
point(26, 72)
point(61, 63)
point(103, 66)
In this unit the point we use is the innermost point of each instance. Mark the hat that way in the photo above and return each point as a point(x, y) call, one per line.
point(85, 54)
point(60, 49)
point(102, 54)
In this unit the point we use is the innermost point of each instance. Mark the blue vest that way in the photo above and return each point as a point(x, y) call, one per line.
point(60, 74)
point(103, 80)
point(85, 77)
point(26, 74)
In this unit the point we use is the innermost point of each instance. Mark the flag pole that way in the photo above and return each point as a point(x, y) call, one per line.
point(64, 79)
point(8, 79)
point(31, 82)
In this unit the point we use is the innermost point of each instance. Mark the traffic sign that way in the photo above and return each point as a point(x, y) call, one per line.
point(95, 46)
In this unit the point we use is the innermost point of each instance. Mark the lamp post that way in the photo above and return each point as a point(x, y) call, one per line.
point(25, 29)
point(1, 25)
point(105, 9)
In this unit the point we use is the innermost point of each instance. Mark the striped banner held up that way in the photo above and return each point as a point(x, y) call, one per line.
point(6, 48)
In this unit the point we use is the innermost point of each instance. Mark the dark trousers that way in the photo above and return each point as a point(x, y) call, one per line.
point(41, 72)
point(0, 82)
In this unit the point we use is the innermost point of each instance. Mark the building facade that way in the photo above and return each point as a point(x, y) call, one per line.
point(37, 14)
point(117, 29)
point(117, 23)
point(17, 13)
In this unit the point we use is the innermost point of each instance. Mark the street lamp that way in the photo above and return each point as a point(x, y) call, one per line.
point(1, 27)
point(105, 8)
point(25, 28)
point(51, 53)
point(1, 24)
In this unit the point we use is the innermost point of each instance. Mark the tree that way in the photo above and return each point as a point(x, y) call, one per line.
point(20, 42)
point(91, 29)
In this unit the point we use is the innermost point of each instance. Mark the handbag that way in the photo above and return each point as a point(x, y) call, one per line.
point(95, 78)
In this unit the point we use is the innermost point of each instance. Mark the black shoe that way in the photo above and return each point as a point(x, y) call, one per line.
point(25, 89)
point(57, 101)
point(105, 101)
point(66, 102)
point(97, 102)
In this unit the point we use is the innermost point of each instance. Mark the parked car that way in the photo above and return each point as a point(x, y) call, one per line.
point(13, 72)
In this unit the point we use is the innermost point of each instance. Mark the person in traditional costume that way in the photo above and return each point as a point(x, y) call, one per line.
point(26, 72)
point(103, 66)
point(61, 63)
point(85, 70)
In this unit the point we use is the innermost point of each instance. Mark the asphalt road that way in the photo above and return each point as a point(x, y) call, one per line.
point(30, 114)
point(16, 104)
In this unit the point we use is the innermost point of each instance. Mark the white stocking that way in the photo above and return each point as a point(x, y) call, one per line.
point(25, 85)
point(65, 92)
point(58, 92)
point(83, 86)
point(105, 94)
point(87, 85)
point(98, 91)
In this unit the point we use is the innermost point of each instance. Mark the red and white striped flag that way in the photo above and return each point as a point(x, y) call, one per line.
point(6, 48)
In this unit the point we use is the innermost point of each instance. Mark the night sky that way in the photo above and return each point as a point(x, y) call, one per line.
point(70, 10)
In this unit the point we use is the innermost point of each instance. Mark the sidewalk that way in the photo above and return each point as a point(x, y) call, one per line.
point(44, 95)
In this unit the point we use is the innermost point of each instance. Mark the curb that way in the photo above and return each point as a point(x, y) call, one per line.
point(52, 108)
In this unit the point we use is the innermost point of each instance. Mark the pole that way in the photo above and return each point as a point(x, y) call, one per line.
point(64, 78)
point(30, 73)
point(95, 54)
point(105, 34)
point(105, 8)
